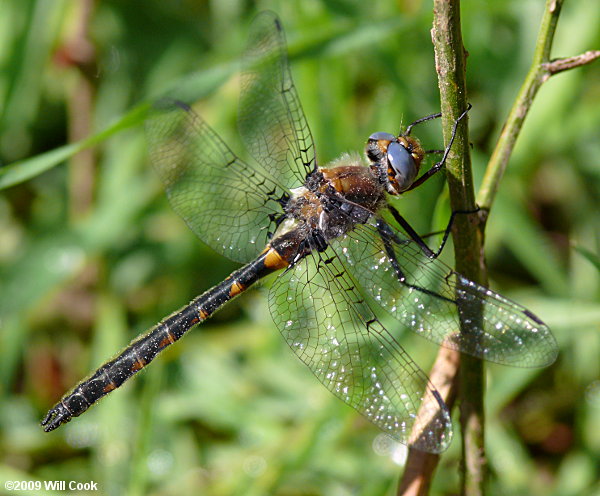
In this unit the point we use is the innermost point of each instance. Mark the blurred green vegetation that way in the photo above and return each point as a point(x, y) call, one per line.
point(91, 254)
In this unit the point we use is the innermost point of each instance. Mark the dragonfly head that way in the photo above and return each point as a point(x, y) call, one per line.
point(396, 159)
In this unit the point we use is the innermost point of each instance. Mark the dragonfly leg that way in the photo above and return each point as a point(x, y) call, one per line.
point(438, 166)
point(419, 121)
point(419, 239)
point(387, 237)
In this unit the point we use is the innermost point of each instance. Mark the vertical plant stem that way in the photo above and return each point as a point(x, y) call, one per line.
point(450, 60)
point(468, 230)
point(537, 75)
point(79, 53)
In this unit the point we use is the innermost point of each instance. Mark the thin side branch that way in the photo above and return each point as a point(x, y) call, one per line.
point(539, 72)
point(559, 65)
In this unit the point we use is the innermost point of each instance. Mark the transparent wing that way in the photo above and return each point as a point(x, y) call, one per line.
point(431, 299)
point(229, 205)
point(270, 119)
point(327, 323)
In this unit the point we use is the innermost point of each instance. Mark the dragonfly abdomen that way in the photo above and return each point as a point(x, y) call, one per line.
point(140, 352)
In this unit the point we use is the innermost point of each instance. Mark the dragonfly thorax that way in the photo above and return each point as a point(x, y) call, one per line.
point(333, 200)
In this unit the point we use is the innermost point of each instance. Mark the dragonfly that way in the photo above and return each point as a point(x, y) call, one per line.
point(339, 262)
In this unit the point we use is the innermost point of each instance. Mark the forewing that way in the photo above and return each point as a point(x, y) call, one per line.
point(270, 119)
point(325, 320)
point(431, 299)
point(228, 204)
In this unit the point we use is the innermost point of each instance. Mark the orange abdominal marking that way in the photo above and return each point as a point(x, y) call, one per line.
point(109, 387)
point(140, 364)
point(166, 341)
point(273, 260)
point(236, 289)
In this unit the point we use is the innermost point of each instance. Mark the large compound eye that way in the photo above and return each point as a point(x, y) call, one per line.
point(403, 165)
point(377, 146)
point(382, 136)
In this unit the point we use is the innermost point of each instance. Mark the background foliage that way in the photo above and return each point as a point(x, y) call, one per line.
point(229, 410)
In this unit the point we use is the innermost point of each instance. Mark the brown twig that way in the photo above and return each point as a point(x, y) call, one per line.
point(420, 466)
point(78, 52)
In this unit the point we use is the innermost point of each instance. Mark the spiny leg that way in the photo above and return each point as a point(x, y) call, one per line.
point(387, 236)
point(437, 167)
point(419, 239)
point(421, 120)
